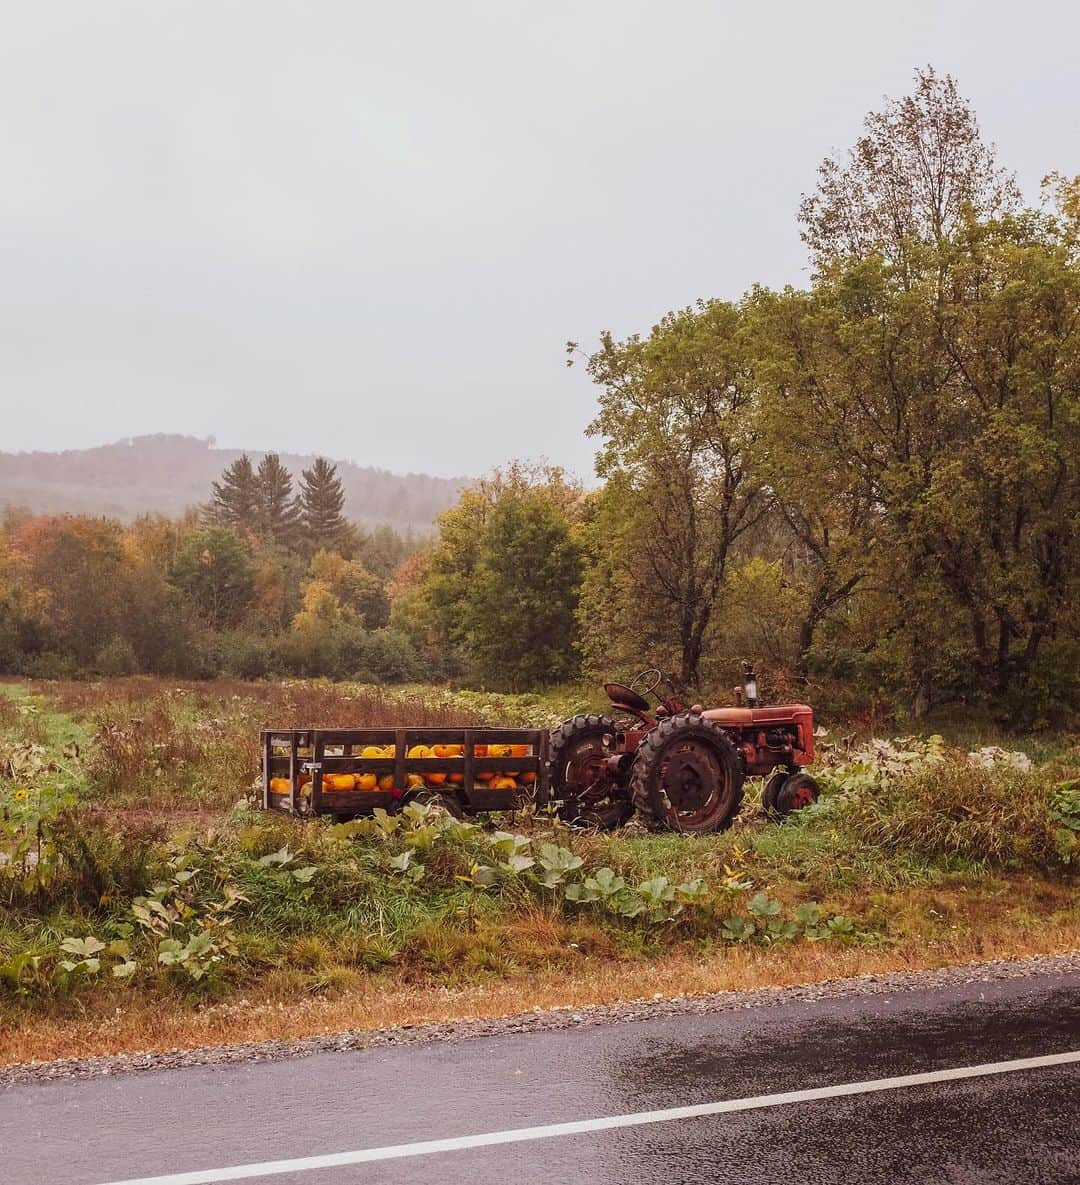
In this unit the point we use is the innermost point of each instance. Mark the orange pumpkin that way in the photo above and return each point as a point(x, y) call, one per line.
point(447, 750)
point(503, 783)
point(366, 781)
point(279, 786)
point(339, 782)
point(520, 750)
point(480, 750)
point(456, 779)
point(435, 779)
point(528, 778)
point(386, 782)
point(414, 782)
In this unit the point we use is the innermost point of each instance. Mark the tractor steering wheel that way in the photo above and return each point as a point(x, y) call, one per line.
point(647, 681)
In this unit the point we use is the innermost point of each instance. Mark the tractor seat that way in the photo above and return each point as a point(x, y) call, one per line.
point(623, 697)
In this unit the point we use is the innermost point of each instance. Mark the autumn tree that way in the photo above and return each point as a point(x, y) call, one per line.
point(361, 595)
point(918, 172)
point(78, 584)
point(382, 550)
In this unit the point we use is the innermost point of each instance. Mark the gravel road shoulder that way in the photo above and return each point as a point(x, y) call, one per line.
point(599, 1014)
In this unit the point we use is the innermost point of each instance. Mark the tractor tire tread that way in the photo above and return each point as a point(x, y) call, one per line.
point(583, 724)
point(654, 743)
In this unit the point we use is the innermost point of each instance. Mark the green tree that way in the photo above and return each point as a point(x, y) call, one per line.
point(445, 596)
point(236, 498)
point(321, 502)
point(823, 518)
point(948, 414)
point(519, 614)
point(278, 510)
point(678, 443)
point(214, 572)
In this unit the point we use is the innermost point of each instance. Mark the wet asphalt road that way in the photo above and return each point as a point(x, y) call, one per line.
point(1016, 1127)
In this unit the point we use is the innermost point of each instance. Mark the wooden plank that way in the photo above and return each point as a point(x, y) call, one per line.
point(356, 802)
point(507, 736)
point(316, 773)
point(400, 746)
point(470, 760)
point(543, 781)
point(356, 736)
point(266, 770)
point(493, 800)
point(292, 773)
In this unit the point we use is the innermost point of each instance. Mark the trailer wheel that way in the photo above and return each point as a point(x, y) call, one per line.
point(686, 776)
point(798, 791)
point(580, 776)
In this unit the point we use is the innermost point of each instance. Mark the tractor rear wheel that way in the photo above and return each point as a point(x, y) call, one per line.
point(582, 780)
point(687, 776)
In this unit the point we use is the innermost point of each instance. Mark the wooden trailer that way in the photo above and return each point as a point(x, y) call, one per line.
point(302, 769)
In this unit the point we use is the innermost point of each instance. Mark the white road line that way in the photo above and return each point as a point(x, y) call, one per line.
point(270, 1168)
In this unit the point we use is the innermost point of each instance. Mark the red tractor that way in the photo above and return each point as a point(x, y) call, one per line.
point(681, 770)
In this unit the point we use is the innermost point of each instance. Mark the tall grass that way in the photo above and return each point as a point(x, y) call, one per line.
point(1001, 817)
point(182, 746)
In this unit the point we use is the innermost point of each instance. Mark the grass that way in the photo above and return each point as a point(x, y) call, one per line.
point(299, 1000)
point(264, 926)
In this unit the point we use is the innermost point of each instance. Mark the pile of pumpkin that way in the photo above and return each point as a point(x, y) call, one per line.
point(492, 779)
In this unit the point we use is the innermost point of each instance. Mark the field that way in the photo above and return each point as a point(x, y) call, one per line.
point(149, 904)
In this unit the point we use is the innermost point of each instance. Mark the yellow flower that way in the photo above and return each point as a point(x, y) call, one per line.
point(21, 795)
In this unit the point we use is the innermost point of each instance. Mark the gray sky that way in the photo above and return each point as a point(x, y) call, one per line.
point(366, 229)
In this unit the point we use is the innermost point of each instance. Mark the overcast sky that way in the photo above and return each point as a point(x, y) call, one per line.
point(367, 229)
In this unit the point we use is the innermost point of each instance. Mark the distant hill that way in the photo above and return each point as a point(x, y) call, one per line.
point(167, 474)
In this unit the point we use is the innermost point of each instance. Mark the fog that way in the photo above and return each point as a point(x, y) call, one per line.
point(367, 230)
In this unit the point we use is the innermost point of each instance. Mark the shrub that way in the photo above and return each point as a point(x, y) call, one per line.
point(117, 657)
point(998, 815)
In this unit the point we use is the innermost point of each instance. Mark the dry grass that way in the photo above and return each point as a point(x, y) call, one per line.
point(188, 747)
point(957, 926)
point(285, 704)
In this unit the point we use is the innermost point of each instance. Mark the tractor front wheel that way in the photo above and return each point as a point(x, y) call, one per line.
point(786, 793)
point(687, 777)
point(581, 776)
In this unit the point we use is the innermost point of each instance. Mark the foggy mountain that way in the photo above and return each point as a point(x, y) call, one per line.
point(166, 474)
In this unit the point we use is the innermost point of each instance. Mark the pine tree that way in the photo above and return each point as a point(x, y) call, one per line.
point(235, 500)
point(279, 512)
point(321, 502)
